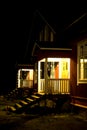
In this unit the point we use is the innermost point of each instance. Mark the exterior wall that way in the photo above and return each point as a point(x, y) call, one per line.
point(35, 76)
point(73, 70)
point(53, 53)
point(78, 91)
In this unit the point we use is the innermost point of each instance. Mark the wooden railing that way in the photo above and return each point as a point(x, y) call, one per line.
point(28, 83)
point(61, 86)
point(25, 83)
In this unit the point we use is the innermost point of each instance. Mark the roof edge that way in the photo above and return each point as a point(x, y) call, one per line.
point(61, 49)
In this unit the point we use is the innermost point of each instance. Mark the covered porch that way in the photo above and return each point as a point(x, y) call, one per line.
point(25, 78)
point(54, 76)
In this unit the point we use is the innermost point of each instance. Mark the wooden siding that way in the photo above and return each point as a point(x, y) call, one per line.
point(78, 91)
point(53, 53)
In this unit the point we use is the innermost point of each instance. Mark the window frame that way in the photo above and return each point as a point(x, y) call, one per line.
point(82, 43)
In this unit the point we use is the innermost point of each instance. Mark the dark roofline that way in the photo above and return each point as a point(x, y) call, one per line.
point(49, 48)
point(75, 21)
point(77, 29)
point(37, 12)
point(61, 49)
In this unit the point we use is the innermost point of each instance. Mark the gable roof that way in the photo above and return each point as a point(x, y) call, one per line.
point(38, 23)
point(68, 32)
point(77, 28)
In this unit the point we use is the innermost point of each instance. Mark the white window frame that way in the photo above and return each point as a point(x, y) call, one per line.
point(82, 43)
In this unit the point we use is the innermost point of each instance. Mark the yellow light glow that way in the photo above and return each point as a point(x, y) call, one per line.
point(85, 60)
point(28, 77)
point(43, 60)
point(64, 71)
point(18, 78)
point(39, 76)
point(54, 59)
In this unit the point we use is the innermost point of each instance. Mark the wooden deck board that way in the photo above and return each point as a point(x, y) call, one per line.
point(25, 103)
point(29, 99)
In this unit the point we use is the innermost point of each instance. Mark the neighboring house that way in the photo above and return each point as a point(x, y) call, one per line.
point(60, 66)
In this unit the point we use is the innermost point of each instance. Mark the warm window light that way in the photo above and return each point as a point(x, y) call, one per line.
point(82, 69)
point(18, 78)
point(81, 60)
point(28, 77)
point(53, 59)
point(85, 60)
point(63, 70)
point(43, 60)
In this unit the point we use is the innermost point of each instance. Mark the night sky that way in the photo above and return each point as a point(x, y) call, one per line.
point(16, 20)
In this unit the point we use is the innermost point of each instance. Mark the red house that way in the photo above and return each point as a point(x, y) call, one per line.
point(60, 65)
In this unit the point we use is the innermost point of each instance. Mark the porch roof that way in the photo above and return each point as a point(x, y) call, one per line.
point(53, 46)
point(29, 66)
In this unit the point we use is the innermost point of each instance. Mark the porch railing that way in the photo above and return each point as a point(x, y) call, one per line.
point(56, 86)
point(25, 83)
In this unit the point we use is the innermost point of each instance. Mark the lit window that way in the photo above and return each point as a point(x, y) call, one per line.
point(83, 69)
point(82, 63)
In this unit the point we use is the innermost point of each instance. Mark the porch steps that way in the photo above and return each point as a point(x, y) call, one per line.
point(23, 102)
point(36, 97)
point(12, 108)
point(29, 99)
point(26, 103)
point(18, 105)
point(19, 93)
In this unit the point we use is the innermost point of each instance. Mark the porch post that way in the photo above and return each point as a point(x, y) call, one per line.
point(38, 76)
point(45, 75)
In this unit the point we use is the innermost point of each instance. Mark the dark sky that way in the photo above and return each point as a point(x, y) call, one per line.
point(16, 20)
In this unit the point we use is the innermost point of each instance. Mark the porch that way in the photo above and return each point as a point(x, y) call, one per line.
point(54, 76)
point(55, 86)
